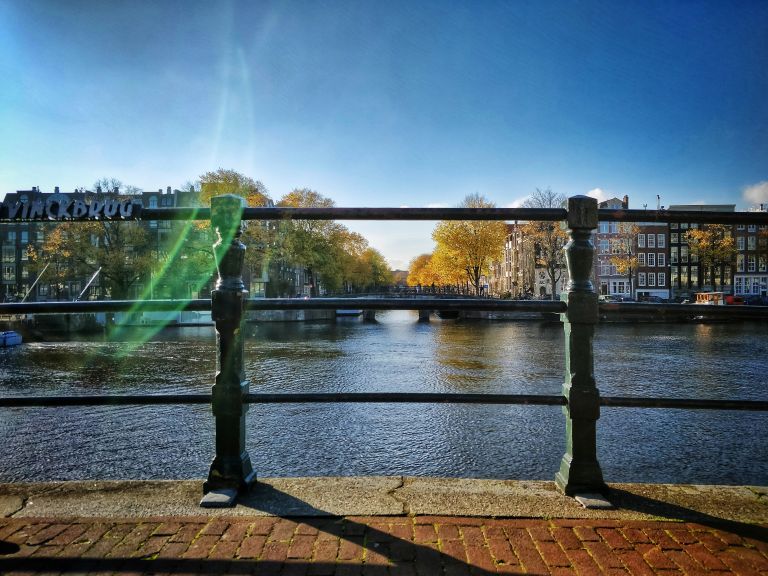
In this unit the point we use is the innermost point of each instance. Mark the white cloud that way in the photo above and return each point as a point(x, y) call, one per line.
point(756, 193)
point(517, 202)
point(437, 205)
point(599, 194)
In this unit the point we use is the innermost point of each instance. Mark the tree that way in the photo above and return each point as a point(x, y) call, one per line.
point(55, 258)
point(715, 248)
point(258, 237)
point(624, 251)
point(420, 272)
point(471, 245)
point(548, 239)
point(224, 181)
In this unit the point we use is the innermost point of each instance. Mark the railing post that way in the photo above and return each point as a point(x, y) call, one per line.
point(231, 469)
point(579, 470)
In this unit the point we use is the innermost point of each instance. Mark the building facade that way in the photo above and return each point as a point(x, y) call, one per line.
point(22, 279)
point(751, 274)
point(686, 273)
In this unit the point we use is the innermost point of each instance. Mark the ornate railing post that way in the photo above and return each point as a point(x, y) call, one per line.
point(231, 469)
point(579, 470)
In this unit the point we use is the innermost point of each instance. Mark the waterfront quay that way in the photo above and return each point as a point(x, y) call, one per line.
point(381, 525)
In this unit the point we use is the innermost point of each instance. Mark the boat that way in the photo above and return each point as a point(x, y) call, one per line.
point(9, 338)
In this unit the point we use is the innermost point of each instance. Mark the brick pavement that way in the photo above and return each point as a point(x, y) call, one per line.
point(380, 545)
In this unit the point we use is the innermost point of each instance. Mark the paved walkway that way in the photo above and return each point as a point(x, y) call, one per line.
point(379, 526)
point(377, 545)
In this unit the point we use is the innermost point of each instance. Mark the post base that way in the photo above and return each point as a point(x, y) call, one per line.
point(580, 477)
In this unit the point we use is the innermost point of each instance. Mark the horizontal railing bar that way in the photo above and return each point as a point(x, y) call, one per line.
point(418, 213)
point(389, 303)
point(426, 303)
point(511, 214)
point(693, 216)
point(406, 397)
point(283, 213)
point(381, 397)
point(202, 304)
point(687, 403)
point(105, 400)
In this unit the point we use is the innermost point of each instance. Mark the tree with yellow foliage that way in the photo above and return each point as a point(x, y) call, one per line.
point(715, 247)
point(624, 251)
point(468, 247)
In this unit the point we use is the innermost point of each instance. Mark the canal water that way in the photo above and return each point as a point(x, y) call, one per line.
point(728, 361)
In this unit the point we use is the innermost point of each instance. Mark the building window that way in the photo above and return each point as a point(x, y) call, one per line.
point(9, 272)
point(651, 279)
point(605, 269)
point(740, 227)
point(751, 243)
point(662, 279)
point(153, 201)
point(673, 255)
point(674, 238)
point(9, 254)
point(11, 235)
point(641, 240)
point(641, 259)
point(651, 260)
point(603, 246)
point(641, 279)
point(684, 226)
point(660, 241)
point(738, 285)
point(24, 237)
point(651, 241)
point(660, 259)
point(751, 263)
point(740, 263)
point(613, 227)
point(40, 235)
point(603, 227)
point(762, 264)
point(684, 254)
point(740, 242)
point(752, 228)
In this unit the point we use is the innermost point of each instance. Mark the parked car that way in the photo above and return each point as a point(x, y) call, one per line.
point(653, 300)
point(756, 300)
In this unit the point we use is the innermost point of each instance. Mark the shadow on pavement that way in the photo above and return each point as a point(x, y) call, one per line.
point(664, 510)
point(385, 553)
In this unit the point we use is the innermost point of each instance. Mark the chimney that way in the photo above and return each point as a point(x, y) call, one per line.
point(168, 190)
point(625, 202)
point(658, 202)
point(55, 189)
point(98, 189)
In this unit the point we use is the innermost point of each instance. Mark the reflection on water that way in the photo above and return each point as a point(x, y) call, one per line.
point(395, 354)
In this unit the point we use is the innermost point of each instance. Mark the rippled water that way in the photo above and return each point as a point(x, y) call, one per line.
point(395, 354)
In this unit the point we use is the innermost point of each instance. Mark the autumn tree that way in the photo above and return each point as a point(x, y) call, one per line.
point(420, 272)
point(715, 248)
point(547, 239)
point(624, 252)
point(53, 260)
point(469, 246)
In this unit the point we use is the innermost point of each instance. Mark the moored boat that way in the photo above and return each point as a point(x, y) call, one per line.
point(9, 338)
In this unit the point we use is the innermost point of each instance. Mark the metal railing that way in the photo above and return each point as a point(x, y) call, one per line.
point(231, 469)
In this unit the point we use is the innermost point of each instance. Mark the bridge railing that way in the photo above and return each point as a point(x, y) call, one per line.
point(231, 470)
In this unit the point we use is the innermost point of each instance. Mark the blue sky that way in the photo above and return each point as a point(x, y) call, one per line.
point(391, 103)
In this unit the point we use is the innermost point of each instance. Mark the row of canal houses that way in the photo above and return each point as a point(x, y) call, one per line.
point(664, 266)
point(18, 277)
